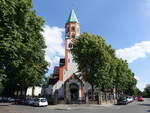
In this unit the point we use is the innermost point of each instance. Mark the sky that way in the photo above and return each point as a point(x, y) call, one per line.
point(124, 24)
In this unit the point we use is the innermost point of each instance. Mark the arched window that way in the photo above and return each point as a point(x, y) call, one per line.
point(72, 28)
point(73, 35)
point(70, 45)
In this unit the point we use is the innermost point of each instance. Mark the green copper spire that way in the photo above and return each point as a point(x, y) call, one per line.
point(72, 17)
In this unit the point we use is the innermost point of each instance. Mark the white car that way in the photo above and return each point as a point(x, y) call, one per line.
point(41, 102)
point(130, 99)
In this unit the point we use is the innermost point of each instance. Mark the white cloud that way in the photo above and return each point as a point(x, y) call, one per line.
point(137, 78)
point(147, 2)
point(141, 85)
point(146, 7)
point(55, 44)
point(137, 51)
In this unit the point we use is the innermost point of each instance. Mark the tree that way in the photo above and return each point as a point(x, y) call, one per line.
point(94, 58)
point(99, 65)
point(124, 78)
point(146, 91)
point(121, 76)
point(138, 92)
point(131, 84)
point(21, 45)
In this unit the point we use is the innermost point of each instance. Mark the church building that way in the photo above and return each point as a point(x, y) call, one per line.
point(67, 83)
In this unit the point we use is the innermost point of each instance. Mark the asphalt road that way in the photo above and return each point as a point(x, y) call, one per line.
point(134, 107)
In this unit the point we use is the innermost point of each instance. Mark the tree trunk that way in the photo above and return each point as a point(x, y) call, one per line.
point(25, 92)
point(92, 93)
point(86, 98)
point(100, 97)
point(17, 93)
point(33, 91)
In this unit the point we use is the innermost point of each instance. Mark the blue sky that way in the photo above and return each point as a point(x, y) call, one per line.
point(125, 24)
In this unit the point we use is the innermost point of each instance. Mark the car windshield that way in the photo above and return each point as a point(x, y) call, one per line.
point(122, 98)
point(43, 100)
point(36, 99)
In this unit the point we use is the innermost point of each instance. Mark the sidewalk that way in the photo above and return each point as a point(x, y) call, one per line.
point(78, 106)
point(4, 108)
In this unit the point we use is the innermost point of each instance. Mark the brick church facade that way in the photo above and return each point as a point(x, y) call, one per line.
point(67, 83)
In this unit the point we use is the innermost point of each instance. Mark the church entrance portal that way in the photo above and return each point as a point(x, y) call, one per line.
point(74, 92)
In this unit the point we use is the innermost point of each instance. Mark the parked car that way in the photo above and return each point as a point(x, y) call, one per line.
point(1, 99)
point(122, 100)
point(19, 101)
point(4, 99)
point(140, 99)
point(11, 99)
point(40, 102)
point(135, 98)
point(130, 99)
point(27, 101)
point(31, 101)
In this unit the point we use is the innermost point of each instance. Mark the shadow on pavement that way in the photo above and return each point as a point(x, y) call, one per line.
point(148, 110)
point(144, 104)
point(120, 104)
point(13, 104)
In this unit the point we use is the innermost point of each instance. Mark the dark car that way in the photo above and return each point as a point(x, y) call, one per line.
point(30, 101)
point(26, 102)
point(11, 99)
point(19, 101)
point(1, 99)
point(122, 101)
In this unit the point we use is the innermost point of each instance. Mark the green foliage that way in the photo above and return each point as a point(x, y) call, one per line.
point(88, 51)
point(146, 92)
point(137, 92)
point(124, 79)
point(100, 66)
point(21, 45)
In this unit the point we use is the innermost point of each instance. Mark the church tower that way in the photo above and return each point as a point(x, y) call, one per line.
point(67, 84)
point(72, 31)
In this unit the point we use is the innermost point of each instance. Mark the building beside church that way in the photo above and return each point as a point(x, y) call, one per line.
point(66, 83)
